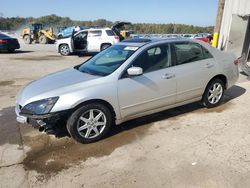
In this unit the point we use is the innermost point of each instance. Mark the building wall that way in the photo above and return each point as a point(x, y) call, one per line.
point(239, 7)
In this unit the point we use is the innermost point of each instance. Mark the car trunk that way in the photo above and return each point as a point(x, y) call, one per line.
point(117, 28)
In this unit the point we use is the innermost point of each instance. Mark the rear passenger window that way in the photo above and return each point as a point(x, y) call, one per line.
point(110, 33)
point(96, 33)
point(206, 53)
point(189, 52)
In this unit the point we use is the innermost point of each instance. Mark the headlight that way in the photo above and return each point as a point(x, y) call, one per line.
point(39, 107)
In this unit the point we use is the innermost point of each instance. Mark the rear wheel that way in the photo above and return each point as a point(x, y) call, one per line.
point(64, 49)
point(43, 39)
point(213, 93)
point(11, 50)
point(27, 39)
point(89, 123)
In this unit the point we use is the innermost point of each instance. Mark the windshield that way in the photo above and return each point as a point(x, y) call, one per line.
point(108, 60)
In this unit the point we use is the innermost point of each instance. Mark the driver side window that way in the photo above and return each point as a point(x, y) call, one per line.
point(153, 59)
point(80, 36)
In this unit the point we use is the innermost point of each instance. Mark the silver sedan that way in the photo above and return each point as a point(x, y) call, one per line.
point(128, 80)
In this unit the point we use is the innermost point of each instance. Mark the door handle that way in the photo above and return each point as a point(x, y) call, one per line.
point(209, 65)
point(168, 76)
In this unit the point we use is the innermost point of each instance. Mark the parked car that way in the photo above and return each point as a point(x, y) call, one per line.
point(202, 36)
point(87, 40)
point(67, 31)
point(90, 40)
point(187, 35)
point(128, 80)
point(8, 43)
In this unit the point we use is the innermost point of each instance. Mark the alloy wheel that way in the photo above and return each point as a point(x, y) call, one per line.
point(64, 50)
point(215, 93)
point(91, 123)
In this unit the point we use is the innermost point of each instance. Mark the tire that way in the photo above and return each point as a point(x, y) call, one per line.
point(64, 49)
point(86, 128)
point(27, 39)
point(11, 50)
point(214, 93)
point(104, 46)
point(43, 39)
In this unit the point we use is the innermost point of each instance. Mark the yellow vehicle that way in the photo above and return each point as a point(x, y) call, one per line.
point(125, 34)
point(117, 28)
point(36, 32)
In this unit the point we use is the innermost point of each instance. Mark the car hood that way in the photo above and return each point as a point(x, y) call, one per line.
point(50, 84)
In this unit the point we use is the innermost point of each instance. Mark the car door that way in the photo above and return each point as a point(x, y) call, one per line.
point(79, 41)
point(94, 40)
point(154, 89)
point(194, 68)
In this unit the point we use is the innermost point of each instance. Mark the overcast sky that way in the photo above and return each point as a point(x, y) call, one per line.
point(196, 12)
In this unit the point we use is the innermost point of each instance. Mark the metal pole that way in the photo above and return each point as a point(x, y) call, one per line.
point(221, 4)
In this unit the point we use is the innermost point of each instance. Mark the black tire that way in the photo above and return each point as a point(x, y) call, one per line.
point(43, 39)
point(217, 96)
point(74, 123)
point(104, 46)
point(27, 39)
point(64, 49)
point(11, 50)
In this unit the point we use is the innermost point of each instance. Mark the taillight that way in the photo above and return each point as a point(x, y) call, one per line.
point(236, 62)
point(3, 41)
point(117, 37)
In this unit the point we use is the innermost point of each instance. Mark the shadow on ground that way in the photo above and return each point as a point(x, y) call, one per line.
point(16, 52)
point(9, 128)
point(49, 155)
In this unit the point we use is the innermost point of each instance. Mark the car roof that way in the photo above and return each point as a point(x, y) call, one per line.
point(92, 29)
point(142, 41)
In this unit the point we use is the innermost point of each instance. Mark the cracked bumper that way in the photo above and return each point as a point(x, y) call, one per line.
point(46, 120)
point(20, 118)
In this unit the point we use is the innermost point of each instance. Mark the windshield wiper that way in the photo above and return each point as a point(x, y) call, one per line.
point(85, 71)
point(92, 73)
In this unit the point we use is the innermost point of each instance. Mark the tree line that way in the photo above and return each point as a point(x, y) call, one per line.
point(16, 23)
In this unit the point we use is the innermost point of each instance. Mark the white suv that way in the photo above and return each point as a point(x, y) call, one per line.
point(87, 40)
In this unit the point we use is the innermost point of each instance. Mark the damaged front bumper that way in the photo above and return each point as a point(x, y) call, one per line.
point(50, 123)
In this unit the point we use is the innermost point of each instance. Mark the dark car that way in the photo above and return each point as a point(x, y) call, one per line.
point(8, 44)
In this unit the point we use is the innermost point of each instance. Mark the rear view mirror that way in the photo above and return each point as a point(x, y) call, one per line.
point(135, 71)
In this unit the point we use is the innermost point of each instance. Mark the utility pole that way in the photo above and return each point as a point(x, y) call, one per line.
point(221, 4)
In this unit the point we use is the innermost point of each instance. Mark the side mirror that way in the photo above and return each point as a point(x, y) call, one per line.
point(135, 71)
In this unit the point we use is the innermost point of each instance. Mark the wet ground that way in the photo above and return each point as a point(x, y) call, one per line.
point(188, 146)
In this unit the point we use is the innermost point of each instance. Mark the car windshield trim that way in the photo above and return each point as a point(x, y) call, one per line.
point(107, 61)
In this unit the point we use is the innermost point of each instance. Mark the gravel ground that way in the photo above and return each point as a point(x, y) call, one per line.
point(189, 146)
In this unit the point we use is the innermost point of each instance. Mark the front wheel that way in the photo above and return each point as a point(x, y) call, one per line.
point(89, 123)
point(213, 93)
point(64, 49)
point(43, 39)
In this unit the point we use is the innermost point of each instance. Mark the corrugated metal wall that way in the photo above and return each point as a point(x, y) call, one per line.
point(239, 7)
